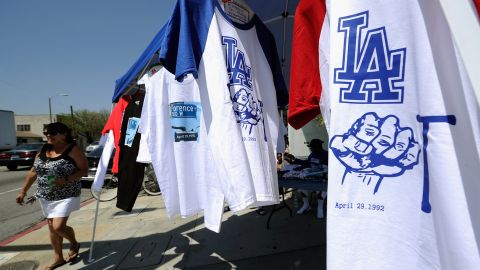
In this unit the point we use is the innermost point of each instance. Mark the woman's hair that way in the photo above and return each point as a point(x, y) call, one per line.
point(60, 128)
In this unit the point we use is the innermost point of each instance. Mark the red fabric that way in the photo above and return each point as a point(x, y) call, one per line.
point(477, 5)
point(305, 85)
point(114, 123)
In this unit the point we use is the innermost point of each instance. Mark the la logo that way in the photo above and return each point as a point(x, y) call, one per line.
point(371, 73)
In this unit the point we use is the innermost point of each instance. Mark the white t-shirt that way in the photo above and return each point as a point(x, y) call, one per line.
point(179, 149)
point(239, 75)
point(402, 129)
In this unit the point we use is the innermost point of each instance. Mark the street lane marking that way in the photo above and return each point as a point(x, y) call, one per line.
point(5, 192)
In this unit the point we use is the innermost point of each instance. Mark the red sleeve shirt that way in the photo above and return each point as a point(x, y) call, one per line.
point(477, 5)
point(114, 123)
point(305, 85)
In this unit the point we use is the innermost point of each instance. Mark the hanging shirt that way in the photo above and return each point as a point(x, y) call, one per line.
point(154, 126)
point(130, 173)
point(179, 149)
point(108, 142)
point(114, 123)
point(403, 127)
point(305, 85)
point(144, 127)
point(239, 76)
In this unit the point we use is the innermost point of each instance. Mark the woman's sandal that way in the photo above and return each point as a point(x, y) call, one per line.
point(55, 265)
point(72, 254)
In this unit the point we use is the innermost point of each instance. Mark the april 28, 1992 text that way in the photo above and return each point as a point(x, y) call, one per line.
point(249, 139)
point(359, 206)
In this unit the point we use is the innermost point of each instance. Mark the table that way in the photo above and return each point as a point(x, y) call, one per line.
point(285, 183)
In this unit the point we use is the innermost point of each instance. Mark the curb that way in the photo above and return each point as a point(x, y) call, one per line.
point(36, 227)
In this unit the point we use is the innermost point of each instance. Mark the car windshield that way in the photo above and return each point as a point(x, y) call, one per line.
point(28, 146)
point(96, 152)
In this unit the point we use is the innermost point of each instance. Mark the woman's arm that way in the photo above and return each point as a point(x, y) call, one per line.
point(81, 162)
point(29, 179)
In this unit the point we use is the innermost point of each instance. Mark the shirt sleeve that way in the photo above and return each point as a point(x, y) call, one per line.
point(305, 84)
point(143, 152)
point(103, 163)
point(267, 41)
point(185, 37)
point(114, 123)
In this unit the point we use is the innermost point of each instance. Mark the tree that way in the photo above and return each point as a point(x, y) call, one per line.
point(85, 123)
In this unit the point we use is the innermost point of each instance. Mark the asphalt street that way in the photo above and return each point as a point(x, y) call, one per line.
point(14, 218)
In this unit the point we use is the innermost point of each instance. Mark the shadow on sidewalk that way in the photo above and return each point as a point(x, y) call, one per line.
point(292, 242)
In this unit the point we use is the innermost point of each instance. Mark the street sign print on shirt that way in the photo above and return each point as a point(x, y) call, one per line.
point(185, 118)
point(132, 127)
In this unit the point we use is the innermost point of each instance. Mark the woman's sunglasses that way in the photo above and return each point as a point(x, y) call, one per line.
point(51, 133)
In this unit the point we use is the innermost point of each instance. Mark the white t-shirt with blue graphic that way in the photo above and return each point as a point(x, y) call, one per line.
point(240, 81)
point(172, 117)
point(402, 131)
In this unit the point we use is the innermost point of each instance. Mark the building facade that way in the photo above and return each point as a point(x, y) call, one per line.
point(30, 127)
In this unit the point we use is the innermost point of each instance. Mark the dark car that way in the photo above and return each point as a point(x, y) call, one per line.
point(92, 146)
point(93, 160)
point(21, 155)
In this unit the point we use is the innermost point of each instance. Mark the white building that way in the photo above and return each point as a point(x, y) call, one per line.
point(30, 127)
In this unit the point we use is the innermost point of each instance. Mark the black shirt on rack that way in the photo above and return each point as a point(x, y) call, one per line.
point(130, 172)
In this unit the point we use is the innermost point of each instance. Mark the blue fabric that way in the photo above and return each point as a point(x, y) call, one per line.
point(182, 41)
point(186, 35)
point(267, 41)
point(122, 84)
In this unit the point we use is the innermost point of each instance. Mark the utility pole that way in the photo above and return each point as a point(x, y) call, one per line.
point(74, 133)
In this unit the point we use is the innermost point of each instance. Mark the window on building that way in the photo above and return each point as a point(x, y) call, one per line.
point(23, 127)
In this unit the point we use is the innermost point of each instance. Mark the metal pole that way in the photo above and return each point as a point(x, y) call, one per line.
point(50, 104)
point(50, 108)
point(90, 255)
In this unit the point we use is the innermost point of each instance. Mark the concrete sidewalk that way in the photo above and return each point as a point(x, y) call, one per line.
point(147, 239)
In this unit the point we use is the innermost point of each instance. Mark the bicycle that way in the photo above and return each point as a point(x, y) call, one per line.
point(110, 186)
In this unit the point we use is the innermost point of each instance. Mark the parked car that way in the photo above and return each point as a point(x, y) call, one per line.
point(93, 159)
point(21, 155)
point(94, 145)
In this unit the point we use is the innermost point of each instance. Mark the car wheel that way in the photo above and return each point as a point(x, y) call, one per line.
point(12, 167)
point(109, 190)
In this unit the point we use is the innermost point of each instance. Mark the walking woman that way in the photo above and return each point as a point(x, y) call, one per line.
point(58, 169)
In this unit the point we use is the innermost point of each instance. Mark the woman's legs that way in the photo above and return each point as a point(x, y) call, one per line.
point(59, 230)
point(56, 241)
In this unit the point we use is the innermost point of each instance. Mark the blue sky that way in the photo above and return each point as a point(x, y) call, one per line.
point(77, 47)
